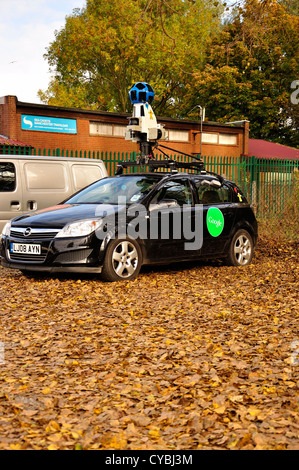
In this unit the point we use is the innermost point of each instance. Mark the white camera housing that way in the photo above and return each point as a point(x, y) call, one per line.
point(143, 126)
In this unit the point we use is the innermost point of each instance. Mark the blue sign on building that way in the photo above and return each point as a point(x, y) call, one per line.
point(49, 124)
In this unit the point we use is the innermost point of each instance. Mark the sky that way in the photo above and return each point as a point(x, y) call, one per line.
point(26, 29)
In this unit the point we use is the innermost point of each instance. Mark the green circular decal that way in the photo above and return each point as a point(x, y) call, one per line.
point(215, 221)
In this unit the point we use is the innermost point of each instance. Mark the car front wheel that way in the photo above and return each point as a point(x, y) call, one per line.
point(122, 261)
point(241, 249)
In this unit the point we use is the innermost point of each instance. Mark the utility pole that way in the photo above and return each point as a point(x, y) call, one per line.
point(202, 118)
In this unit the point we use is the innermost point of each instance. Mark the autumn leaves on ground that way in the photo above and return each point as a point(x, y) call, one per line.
point(196, 356)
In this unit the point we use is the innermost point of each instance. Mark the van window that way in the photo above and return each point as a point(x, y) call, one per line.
point(7, 177)
point(85, 175)
point(41, 176)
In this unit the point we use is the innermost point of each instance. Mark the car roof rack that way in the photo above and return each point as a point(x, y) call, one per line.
point(173, 165)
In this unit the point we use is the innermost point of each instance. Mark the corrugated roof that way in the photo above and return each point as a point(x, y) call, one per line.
point(264, 149)
point(16, 143)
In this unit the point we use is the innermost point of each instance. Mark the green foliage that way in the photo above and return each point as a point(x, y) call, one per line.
point(240, 68)
point(249, 70)
point(292, 6)
point(108, 46)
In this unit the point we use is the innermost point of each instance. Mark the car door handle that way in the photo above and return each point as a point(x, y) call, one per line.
point(15, 205)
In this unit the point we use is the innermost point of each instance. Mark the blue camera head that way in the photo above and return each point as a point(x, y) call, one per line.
point(141, 92)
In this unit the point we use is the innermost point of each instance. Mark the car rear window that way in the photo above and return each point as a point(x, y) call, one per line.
point(210, 195)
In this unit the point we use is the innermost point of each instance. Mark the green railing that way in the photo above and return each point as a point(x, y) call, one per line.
point(267, 183)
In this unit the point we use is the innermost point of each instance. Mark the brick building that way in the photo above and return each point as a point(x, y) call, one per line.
point(50, 127)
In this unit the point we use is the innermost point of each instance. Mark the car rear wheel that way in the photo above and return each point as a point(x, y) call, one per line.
point(241, 249)
point(122, 261)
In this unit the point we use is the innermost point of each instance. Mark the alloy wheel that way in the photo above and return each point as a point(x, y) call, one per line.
point(242, 249)
point(125, 259)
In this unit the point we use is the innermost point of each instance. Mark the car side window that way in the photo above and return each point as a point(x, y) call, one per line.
point(180, 191)
point(226, 194)
point(210, 195)
point(7, 177)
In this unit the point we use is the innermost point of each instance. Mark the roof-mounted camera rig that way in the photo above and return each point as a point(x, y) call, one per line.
point(144, 130)
point(143, 127)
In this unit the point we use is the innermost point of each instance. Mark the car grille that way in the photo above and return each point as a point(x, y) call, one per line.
point(28, 258)
point(73, 256)
point(43, 236)
point(36, 233)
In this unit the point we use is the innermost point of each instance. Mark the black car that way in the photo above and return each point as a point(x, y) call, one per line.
point(119, 223)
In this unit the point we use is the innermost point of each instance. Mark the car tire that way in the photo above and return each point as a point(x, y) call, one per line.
point(123, 260)
point(241, 249)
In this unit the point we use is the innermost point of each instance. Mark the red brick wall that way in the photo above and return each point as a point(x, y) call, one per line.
point(8, 122)
point(10, 125)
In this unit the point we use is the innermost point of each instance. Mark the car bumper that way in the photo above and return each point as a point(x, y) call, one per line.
point(81, 255)
point(51, 269)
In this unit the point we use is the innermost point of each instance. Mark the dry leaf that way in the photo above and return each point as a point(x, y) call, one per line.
point(195, 356)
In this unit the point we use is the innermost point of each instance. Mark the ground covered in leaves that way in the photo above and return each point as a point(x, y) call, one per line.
point(201, 356)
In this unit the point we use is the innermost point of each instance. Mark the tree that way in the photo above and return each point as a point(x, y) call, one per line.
point(249, 70)
point(108, 46)
point(291, 6)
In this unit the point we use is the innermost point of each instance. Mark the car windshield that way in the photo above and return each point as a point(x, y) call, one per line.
point(116, 190)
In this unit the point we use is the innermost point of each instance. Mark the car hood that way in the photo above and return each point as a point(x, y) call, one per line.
point(59, 216)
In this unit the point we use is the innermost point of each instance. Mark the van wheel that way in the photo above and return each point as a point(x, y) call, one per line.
point(122, 261)
point(241, 249)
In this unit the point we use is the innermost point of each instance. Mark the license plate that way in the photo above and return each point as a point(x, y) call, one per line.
point(25, 248)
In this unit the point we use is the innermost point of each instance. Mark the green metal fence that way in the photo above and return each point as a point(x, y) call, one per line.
point(269, 184)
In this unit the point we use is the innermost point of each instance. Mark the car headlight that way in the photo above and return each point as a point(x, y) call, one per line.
point(79, 229)
point(6, 230)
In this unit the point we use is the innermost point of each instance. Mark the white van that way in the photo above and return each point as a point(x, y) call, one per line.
point(28, 183)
